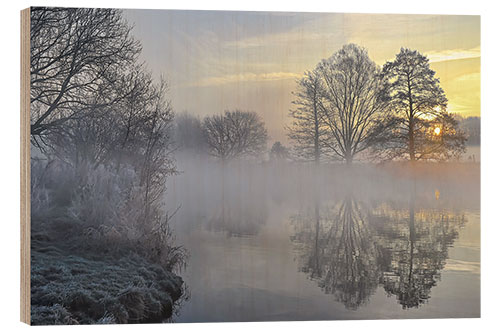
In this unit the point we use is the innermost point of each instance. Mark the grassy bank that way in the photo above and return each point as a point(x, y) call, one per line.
point(71, 286)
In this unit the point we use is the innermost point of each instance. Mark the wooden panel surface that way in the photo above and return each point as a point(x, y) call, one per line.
point(25, 167)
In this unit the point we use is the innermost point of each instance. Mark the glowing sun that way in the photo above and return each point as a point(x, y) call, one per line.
point(437, 130)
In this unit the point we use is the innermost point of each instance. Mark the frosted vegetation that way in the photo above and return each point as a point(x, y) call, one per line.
point(100, 158)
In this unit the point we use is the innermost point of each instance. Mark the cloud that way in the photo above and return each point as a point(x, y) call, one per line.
point(308, 29)
point(469, 77)
point(464, 93)
point(280, 39)
point(244, 77)
point(454, 54)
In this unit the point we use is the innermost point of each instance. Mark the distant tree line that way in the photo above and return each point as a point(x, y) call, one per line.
point(347, 107)
point(472, 128)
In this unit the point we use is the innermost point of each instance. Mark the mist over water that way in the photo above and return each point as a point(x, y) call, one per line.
point(279, 240)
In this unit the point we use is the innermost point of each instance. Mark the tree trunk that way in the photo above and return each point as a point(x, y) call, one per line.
point(411, 124)
point(411, 140)
point(348, 156)
point(316, 135)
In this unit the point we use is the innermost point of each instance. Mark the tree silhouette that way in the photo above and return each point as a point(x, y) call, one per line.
point(77, 57)
point(188, 133)
point(112, 134)
point(420, 127)
point(234, 134)
point(306, 131)
point(278, 152)
point(354, 101)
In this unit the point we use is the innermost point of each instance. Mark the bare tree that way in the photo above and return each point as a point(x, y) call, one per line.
point(234, 134)
point(306, 130)
point(188, 133)
point(155, 156)
point(76, 58)
point(353, 101)
point(108, 134)
point(278, 152)
point(420, 127)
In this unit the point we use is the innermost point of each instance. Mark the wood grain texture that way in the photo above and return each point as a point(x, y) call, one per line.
point(25, 169)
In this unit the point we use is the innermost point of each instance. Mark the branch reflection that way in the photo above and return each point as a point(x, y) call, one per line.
point(351, 248)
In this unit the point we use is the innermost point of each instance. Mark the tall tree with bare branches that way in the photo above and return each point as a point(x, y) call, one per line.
point(306, 131)
point(77, 56)
point(354, 100)
point(420, 127)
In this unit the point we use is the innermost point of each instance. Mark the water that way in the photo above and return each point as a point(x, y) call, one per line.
point(286, 243)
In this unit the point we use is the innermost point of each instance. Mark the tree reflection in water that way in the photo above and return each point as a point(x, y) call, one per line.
point(350, 249)
point(238, 207)
point(417, 247)
point(239, 213)
point(238, 221)
point(339, 252)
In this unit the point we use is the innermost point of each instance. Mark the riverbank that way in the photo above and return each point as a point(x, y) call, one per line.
point(93, 285)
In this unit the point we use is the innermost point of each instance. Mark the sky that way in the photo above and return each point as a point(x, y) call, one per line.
point(221, 60)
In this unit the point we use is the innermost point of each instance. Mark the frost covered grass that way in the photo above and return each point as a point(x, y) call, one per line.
point(71, 289)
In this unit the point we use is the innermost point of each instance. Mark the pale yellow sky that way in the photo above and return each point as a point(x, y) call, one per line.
point(250, 60)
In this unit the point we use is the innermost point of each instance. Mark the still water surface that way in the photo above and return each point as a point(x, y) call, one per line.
point(262, 249)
